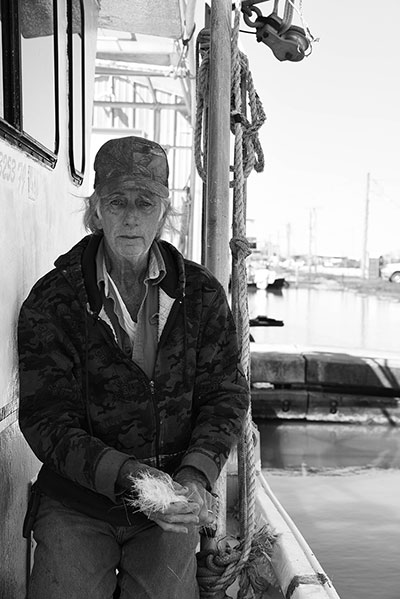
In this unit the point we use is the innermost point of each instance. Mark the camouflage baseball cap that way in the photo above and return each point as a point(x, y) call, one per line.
point(133, 160)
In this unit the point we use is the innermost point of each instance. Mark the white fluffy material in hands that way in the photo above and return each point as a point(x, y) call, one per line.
point(154, 493)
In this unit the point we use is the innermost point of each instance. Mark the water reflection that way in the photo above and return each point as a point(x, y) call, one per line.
point(308, 448)
point(341, 486)
point(327, 317)
point(352, 523)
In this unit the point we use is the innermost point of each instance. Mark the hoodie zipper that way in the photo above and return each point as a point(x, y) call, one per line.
point(151, 384)
point(107, 332)
point(157, 419)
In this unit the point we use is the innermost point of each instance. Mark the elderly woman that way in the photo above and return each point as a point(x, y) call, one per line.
point(128, 364)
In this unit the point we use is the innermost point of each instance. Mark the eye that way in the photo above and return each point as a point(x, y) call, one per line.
point(115, 202)
point(145, 203)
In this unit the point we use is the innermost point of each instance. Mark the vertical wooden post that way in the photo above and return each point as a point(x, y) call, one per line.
point(217, 257)
point(218, 221)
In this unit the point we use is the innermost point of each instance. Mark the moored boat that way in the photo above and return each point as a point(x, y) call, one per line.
point(42, 155)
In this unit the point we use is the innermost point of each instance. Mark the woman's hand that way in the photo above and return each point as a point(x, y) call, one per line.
point(198, 495)
point(180, 515)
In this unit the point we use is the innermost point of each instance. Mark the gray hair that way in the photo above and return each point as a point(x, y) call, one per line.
point(90, 215)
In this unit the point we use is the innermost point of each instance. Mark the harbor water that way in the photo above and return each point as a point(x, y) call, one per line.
point(341, 486)
point(327, 318)
point(339, 483)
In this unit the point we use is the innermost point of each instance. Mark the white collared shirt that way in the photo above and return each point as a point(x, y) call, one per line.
point(142, 334)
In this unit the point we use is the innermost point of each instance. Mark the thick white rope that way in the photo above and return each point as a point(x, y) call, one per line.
point(248, 156)
point(240, 250)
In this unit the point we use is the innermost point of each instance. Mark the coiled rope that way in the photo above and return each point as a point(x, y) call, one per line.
point(217, 570)
point(242, 81)
point(202, 89)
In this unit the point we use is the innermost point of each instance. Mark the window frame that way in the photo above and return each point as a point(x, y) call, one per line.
point(77, 175)
point(11, 125)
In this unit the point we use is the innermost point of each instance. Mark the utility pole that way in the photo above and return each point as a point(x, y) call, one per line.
point(364, 256)
point(288, 239)
point(311, 238)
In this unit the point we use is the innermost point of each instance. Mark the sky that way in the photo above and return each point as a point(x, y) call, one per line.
point(332, 119)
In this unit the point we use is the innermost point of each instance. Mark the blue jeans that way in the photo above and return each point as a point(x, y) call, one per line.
point(78, 557)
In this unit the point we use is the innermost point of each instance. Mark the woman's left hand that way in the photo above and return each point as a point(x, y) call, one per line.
point(199, 496)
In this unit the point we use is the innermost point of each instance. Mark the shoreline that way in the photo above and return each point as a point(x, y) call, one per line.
point(369, 287)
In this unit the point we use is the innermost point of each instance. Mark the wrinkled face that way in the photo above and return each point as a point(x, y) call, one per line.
point(130, 219)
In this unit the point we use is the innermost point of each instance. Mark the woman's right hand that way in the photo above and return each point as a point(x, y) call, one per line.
point(178, 516)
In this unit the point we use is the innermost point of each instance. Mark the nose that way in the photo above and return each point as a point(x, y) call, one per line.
point(131, 214)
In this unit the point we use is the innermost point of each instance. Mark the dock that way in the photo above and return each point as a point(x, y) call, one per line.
point(324, 384)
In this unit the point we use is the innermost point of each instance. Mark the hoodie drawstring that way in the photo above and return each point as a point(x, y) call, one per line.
point(86, 375)
point(185, 366)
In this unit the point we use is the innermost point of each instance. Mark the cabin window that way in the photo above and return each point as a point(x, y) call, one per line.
point(38, 71)
point(76, 55)
point(1, 69)
point(28, 75)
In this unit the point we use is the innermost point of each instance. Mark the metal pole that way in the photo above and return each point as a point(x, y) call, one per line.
point(364, 257)
point(218, 225)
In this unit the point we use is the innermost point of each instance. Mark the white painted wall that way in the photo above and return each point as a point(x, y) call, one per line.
point(40, 218)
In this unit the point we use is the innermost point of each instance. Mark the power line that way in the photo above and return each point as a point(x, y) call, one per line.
point(383, 194)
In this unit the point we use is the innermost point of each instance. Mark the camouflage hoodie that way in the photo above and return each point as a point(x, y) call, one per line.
point(85, 407)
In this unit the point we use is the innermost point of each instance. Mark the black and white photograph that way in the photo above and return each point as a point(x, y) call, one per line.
point(200, 307)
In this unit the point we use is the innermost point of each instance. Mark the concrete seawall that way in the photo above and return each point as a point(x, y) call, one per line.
point(318, 384)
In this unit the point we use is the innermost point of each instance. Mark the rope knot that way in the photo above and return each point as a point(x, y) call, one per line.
point(240, 247)
point(238, 118)
point(216, 570)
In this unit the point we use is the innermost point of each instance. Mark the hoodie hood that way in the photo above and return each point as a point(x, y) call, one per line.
point(78, 266)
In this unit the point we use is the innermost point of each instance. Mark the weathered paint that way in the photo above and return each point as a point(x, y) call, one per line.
point(270, 366)
point(17, 468)
point(153, 17)
point(325, 368)
point(331, 368)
